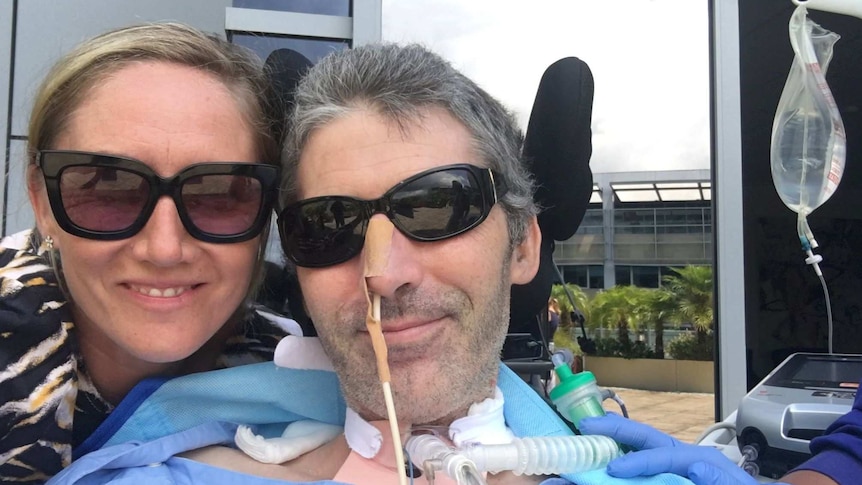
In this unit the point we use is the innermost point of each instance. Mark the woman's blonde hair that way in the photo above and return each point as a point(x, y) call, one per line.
point(70, 80)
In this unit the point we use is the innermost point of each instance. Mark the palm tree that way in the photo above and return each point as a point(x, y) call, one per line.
point(691, 290)
point(581, 302)
point(617, 307)
point(656, 308)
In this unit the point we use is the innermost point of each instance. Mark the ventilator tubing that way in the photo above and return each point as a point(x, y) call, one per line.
point(523, 456)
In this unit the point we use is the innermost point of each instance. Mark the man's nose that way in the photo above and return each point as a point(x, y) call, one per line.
point(389, 257)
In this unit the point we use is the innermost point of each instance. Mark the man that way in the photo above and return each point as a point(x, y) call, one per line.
point(364, 122)
point(398, 126)
point(379, 138)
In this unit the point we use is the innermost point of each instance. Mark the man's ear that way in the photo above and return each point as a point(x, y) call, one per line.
point(525, 257)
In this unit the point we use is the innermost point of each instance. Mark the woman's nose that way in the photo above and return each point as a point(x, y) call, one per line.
point(163, 240)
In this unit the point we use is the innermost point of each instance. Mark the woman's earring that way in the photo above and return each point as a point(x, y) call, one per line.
point(47, 244)
point(47, 247)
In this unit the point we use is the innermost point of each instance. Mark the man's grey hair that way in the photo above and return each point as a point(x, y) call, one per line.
point(399, 82)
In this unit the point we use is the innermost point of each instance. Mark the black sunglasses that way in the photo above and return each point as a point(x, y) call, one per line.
point(105, 197)
point(436, 204)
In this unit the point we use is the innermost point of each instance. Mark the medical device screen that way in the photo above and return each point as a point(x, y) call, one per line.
point(830, 371)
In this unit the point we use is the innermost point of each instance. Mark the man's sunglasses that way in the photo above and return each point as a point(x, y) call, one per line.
point(104, 197)
point(430, 206)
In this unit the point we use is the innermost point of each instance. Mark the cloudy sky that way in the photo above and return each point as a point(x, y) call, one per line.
point(649, 58)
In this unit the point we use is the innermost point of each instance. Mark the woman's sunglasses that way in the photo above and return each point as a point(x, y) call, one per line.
point(104, 197)
point(436, 204)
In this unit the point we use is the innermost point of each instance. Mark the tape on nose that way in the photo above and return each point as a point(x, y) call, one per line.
point(378, 242)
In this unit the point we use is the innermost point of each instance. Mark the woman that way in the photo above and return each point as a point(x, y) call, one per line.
point(553, 316)
point(151, 172)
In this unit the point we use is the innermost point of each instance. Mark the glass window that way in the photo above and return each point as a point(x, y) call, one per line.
point(576, 275)
point(666, 271)
point(665, 217)
point(635, 217)
point(590, 230)
point(596, 276)
point(592, 223)
point(695, 216)
point(264, 45)
point(681, 229)
point(679, 216)
point(634, 250)
point(636, 230)
point(623, 275)
point(592, 217)
point(585, 276)
point(323, 7)
point(645, 276)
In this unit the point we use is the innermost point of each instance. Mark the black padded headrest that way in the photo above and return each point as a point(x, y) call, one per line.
point(284, 68)
point(280, 291)
point(557, 147)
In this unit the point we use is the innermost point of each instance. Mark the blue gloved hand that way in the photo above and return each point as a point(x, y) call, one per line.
point(661, 453)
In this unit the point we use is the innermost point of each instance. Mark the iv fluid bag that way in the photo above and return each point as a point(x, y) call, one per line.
point(808, 139)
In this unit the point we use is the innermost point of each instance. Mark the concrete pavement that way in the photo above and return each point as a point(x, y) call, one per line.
point(683, 415)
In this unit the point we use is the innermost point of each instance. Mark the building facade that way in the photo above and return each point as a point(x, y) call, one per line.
point(637, 226)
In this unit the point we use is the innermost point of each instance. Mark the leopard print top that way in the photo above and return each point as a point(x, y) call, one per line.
point(48, 405)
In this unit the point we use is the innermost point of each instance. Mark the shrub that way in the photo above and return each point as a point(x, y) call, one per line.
point(563, 338)
point(686, 347)
point(612, 347)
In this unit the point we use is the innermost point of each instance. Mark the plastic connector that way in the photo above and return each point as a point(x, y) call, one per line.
point(749, 452)
point(813, 259)
point(751, 468)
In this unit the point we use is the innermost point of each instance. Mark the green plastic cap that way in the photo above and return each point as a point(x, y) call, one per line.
point(569, 381)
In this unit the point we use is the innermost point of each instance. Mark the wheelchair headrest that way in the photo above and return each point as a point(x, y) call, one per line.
point(558, 146)
point(284, 68)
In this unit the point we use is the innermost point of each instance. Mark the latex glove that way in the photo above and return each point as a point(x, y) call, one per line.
point(662, 453)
